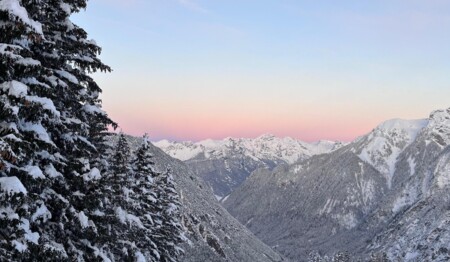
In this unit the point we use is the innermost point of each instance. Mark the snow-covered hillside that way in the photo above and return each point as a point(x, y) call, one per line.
point(385, 193)
point(214, 235)
point(386, 142)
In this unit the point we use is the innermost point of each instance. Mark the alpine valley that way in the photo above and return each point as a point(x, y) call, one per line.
point(225, 164)
point(384, 196)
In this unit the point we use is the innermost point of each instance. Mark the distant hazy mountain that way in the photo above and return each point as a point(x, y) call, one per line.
point(225, 164)
point(387, 192)
point(214, 234)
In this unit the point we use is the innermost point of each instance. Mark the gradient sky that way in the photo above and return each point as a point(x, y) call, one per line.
point(196, 69)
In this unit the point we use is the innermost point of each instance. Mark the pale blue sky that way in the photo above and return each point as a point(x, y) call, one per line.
point(316, 69)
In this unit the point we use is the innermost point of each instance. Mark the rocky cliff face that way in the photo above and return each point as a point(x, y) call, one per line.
point(384, 192)
point(213, 233)
point(225, 164)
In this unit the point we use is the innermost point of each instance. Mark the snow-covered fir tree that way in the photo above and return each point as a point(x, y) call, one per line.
point(169, 230)
point(50, 118)
point(21, 115)
point(114, 222)
point(144, 199)
point(60, 199)
point(120, 162)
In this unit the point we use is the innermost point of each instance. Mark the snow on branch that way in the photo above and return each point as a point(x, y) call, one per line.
point(14, 8)
point(12, 185)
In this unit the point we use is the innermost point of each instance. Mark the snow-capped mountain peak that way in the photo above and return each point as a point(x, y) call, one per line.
point(180, 150)
point(381, 147)
point(438, 128)
point(266, 137)
point(265, 147)
point(409, 127)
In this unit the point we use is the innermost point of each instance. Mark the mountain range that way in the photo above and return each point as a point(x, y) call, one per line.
point(225, 164)
point(385, 193)
point(382, 196)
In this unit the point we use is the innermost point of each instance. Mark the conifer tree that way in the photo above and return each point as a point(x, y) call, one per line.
point(26, 117)
point(114, 193)
point(122, 234)
point(144, 202)
point(169, 230)
point(50, 118)
point(121, 158)
point(59, 198)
